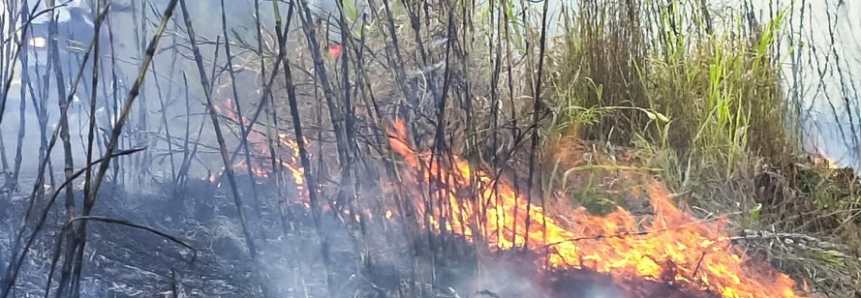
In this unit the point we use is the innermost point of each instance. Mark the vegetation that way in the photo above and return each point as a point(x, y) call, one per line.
point(702, 102)
point(582, 105)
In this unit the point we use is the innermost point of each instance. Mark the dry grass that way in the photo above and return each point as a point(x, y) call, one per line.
point(630, 87)
point(627, 88)
point(704, 105)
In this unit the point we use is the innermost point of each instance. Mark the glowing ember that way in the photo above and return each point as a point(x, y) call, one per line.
point(696, 252)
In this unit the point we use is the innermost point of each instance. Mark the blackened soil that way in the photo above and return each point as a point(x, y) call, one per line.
point(122, 261)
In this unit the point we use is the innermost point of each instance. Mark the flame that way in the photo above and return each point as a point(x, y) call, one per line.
point(334, 49)
point(696, 252)
point(673, 247)
point(259, 147)
point(821, 158)
point(292, 163)
point(816, 144)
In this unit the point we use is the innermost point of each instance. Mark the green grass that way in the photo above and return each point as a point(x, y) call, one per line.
point(702, 103)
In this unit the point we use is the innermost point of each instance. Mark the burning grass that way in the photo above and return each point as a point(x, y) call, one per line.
point(627, 152)
point(670, 91)
point(673, 247)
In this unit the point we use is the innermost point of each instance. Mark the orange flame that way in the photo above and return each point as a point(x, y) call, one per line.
point(816, 144)
point(334, 49)
point(699, 252)
point(257, 141)
point(821, 158)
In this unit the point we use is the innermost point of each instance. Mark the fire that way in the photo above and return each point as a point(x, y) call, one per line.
point(258, 145)
point(292, 163)
point(673, 247)
point(820, 158)
point(816, 144)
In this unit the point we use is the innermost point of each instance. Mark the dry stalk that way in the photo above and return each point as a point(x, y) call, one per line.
point(228, 166)
point(238, 103)
point(90, 199)
point(304, 158)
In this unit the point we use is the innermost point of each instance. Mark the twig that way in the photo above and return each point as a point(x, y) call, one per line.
point(699, 262)
point(174, 283)
point(28, 15)
point(488, 293)
point(335, 111)
point(536, 106)
point(138, 226)
point(804, 241)
point(123, 222)
point(113, 143)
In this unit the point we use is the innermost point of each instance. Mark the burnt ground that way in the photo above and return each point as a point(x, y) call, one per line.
point(125, 262)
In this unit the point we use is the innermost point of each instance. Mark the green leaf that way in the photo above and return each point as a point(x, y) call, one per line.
point(753, 214)
point(350, 11)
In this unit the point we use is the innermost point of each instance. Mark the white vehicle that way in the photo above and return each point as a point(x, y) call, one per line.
point(75, 33)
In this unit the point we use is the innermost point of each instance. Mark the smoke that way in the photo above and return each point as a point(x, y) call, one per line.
point(596, 291)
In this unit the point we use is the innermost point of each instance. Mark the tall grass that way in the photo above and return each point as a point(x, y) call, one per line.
point(700, 100)
point(653, 75)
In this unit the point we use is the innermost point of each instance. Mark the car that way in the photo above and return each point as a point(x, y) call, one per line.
point(75, 32)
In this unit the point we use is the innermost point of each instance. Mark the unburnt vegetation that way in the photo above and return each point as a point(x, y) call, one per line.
point(250, 156)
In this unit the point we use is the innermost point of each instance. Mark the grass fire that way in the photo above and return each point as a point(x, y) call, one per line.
point(438, 148)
